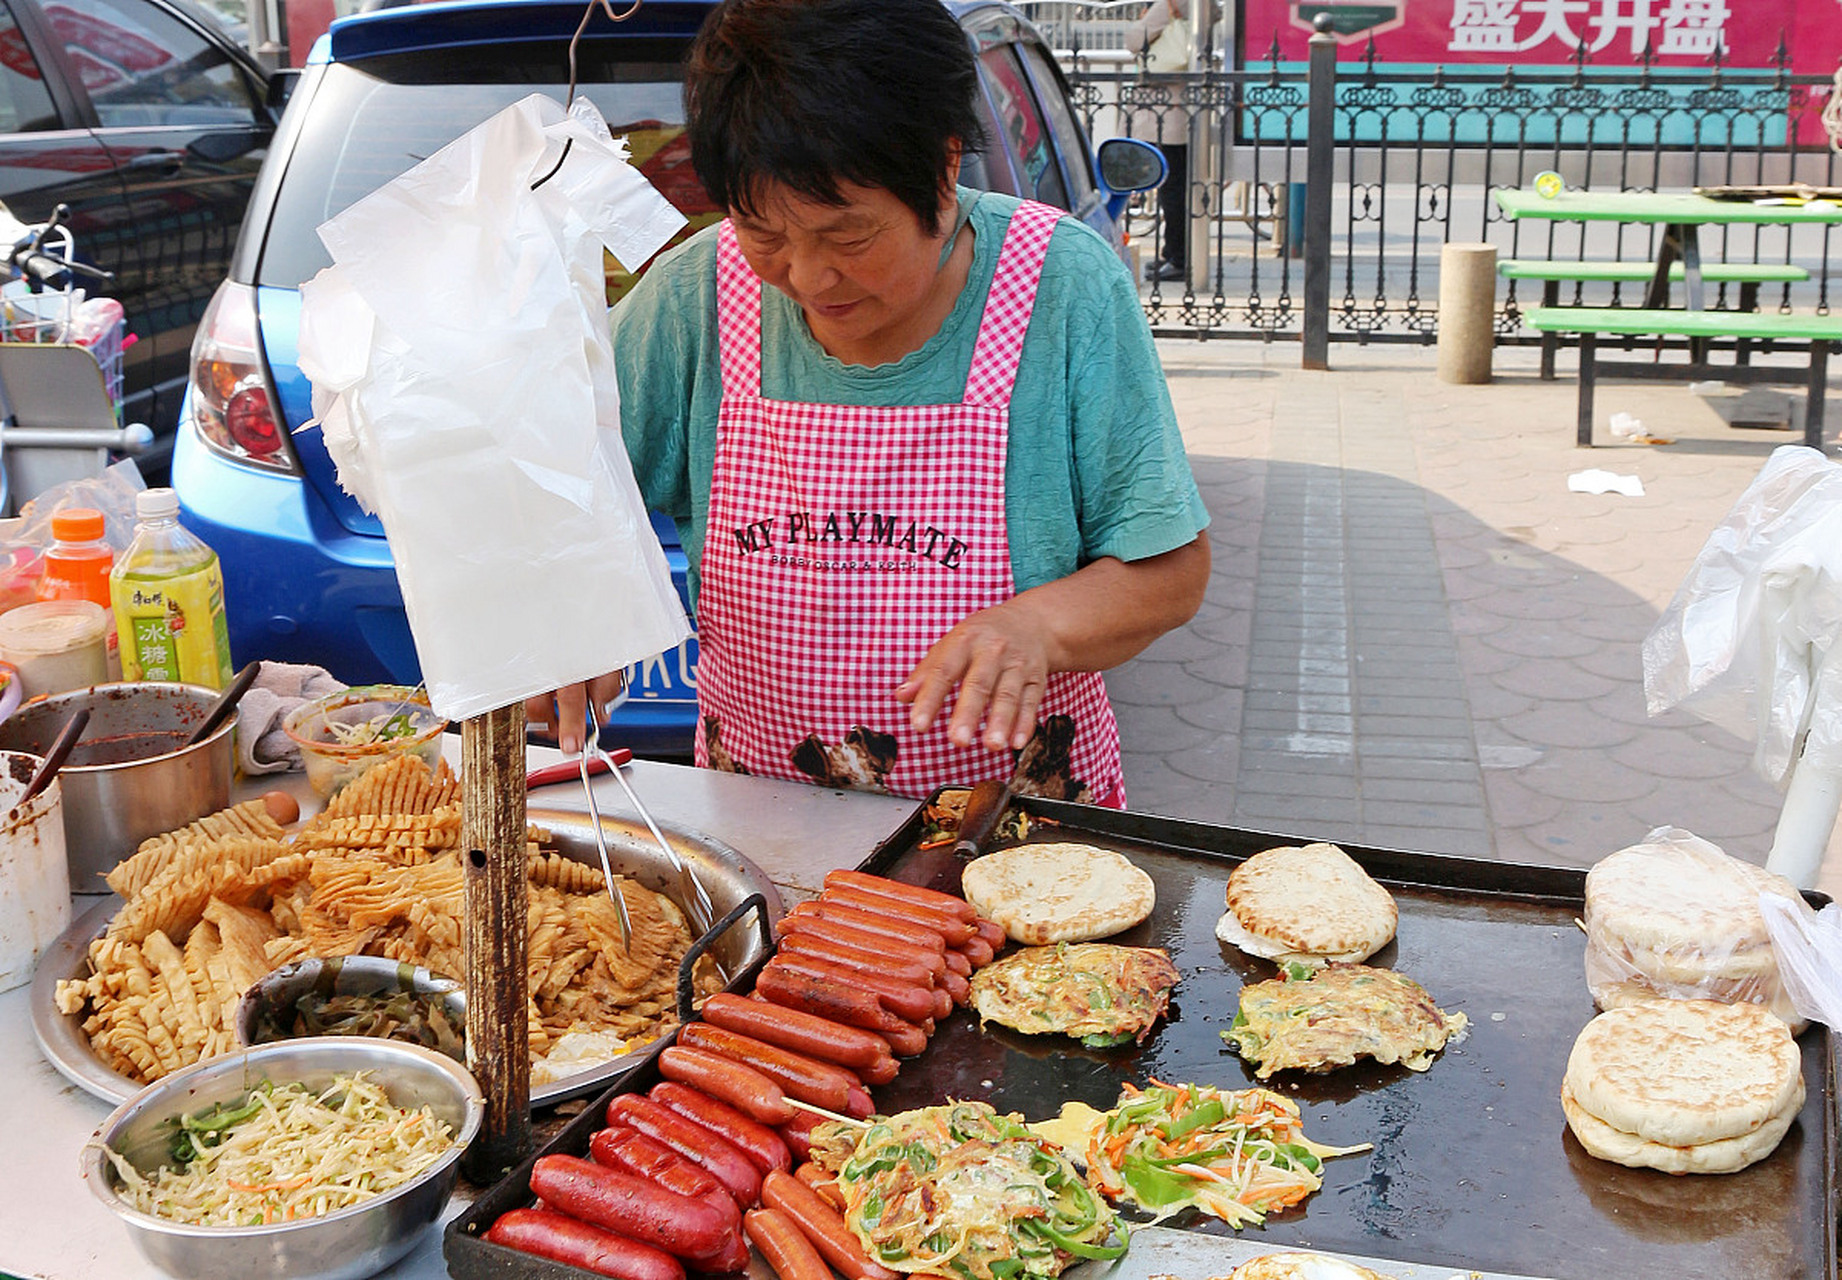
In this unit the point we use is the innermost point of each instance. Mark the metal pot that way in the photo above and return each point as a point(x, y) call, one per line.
point(129, 776)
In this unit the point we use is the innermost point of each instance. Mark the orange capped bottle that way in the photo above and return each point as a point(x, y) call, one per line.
point(77, 567)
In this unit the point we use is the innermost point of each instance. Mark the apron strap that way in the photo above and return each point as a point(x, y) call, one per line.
point(1008, 305)
point(738, 317)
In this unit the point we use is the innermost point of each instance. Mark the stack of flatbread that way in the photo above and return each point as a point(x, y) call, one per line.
point(1685, 1086)
point(1676, 917)
point(1045, 893)
point(1310, 904)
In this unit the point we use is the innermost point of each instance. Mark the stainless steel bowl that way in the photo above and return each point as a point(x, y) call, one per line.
point(268, 1006)
point(346, 1245)
point(130, 775)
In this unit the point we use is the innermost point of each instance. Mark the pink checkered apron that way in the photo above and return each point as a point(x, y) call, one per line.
point(843, 541)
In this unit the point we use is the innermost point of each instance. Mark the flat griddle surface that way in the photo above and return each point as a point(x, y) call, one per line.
point(1473, 1165)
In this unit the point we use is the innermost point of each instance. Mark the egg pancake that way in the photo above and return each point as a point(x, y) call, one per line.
point(1345, 1012)
point(1102, 993)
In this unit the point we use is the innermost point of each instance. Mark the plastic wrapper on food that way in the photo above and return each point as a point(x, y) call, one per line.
point(464, 379)
point(1675, 917)
point(1809, 949)
point(1750, 640)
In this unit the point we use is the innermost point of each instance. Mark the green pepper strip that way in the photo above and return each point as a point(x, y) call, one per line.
point(1155, 1187)
point(1200, 1116)
point(1080, 1248)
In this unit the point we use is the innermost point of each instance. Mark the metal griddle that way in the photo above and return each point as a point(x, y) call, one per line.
point(1473, 1167)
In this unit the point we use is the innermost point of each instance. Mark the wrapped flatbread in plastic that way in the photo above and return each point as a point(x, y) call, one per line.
point(1675, 917)
point(463, 375)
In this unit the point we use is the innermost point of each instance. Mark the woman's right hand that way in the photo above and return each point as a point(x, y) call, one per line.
point(565, 711)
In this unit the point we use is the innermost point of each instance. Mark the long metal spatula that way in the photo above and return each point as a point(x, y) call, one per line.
point(692, 894)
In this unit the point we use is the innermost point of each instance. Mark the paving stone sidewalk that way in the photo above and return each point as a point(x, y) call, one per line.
point(1415, 636)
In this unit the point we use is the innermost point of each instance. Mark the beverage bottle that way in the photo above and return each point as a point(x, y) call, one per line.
point(168, 594)
point(77, 568)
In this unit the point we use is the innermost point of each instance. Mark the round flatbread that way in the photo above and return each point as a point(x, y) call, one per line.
point(1044, 893)
point(1723, 1155)
point(1311, 903)
point(1302, 1266)
point(1685, 903)
point(1684, 1073)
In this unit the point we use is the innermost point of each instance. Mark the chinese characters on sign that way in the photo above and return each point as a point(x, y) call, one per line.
point(1668, 28)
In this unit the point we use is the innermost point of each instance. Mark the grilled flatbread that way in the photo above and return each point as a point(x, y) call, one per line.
point(1685, 1072)
point(1302, 1266)
point(1684, 905)
point(1044, 893)
point(1723, 1155)
point(1099, 992)
point(1342, 1013)
point(1312, 904)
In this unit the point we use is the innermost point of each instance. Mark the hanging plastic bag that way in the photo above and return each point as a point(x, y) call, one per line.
point(464, 379)
point(1752, 640)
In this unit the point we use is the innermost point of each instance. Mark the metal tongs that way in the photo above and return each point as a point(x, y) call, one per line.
point(692, 895)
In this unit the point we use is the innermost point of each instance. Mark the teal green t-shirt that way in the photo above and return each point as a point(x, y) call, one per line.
point(1094, 464)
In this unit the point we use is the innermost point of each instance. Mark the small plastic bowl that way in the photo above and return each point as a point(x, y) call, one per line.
point(332, 763)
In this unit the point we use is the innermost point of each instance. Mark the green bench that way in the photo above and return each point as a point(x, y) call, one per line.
point(1697, 326)
point(1749, 276)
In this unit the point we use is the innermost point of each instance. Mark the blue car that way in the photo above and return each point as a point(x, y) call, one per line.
point(308, 574)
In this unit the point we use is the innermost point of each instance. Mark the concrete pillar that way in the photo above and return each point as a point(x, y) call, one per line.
point(1467, 311)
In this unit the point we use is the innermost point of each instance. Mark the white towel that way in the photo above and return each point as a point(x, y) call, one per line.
point(262, 745)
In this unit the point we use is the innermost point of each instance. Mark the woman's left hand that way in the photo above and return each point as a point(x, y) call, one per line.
point(1000, 658)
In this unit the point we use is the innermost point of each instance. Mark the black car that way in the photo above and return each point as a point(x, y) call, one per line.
point(149, 120)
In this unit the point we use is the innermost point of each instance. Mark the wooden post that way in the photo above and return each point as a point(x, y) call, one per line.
point(495, 937)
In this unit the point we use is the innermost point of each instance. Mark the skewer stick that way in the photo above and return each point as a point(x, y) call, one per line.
point(494, 932)
point(829, 1115)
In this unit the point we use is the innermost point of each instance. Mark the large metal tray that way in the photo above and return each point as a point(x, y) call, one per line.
point(1473, 1166)
point(728, 877)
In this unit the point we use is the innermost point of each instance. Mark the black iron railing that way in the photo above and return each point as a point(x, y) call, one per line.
point(1410, 159)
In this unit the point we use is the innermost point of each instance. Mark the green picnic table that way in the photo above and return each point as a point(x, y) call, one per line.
point(1681, 215)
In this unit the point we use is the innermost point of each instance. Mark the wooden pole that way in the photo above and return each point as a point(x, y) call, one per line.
point(495, 936)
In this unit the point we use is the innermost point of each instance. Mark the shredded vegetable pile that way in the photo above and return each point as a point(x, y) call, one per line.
point(960, 1190)
point(940, 820)
point(1238, 1155)
point(284, 1152)
point(383, 727)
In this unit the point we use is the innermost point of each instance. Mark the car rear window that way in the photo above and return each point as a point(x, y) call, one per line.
point(369, 121)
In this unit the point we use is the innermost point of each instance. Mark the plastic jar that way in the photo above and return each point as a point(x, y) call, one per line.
point(56, 645)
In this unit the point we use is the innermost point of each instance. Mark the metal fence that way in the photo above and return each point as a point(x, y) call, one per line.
point(1411, 158)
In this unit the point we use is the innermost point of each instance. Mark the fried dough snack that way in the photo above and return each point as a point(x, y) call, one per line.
point(214, 906)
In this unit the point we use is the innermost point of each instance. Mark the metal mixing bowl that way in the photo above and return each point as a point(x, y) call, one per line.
point(346, 1245)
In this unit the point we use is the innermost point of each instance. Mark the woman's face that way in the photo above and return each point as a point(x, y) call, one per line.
point(865, 273)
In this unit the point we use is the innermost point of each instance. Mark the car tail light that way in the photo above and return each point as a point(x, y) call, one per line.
point(234, 406)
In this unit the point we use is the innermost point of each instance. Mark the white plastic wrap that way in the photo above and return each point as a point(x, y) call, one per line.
point(1809, 949)
point(1750, 640)
point(464, 379)
point(1676, 917)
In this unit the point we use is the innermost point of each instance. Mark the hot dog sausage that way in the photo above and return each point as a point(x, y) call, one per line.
point(823, 1184)
point(742, 1087)
point(630, 1151)
point(558, 1236)
point(795, 925)
point(879, 923)
point(756, 1141)
point(994, 934)
point(956, 986)
point(820, 1083)
point(859, 959)
point(633, 1207)
point(815, 1037)
point(783, 1245)
point(977, 951)
point(902, 999)
point(798, 1134)
point(884, 887)
point(958, 963)
point(950, 927)
point(822, 1225)
point(854, 1006)
point(717, 1156)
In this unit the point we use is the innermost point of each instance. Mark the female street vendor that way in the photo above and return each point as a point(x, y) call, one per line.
point(916, 437)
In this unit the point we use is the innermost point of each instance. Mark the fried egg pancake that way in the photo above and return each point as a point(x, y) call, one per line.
point(1096, 991)
point(1345, 1012)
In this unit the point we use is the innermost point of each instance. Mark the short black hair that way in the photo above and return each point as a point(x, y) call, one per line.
point(812, 94)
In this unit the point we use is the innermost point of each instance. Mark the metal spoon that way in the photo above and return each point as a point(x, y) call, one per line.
point(226, 703)
point(56, 756)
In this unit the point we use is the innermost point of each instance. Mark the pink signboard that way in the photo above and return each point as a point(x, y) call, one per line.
point(1679, 33)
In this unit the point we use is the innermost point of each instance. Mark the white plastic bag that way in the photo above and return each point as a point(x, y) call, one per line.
point(1752, 640)
point(1808, 945)
point(464, 379)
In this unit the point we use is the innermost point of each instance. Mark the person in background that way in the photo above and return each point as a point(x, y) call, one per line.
point(1169, 127)
point(916, 437)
